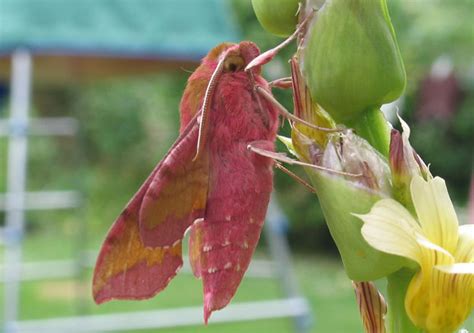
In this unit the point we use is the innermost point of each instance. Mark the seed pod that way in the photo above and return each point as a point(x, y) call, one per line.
point(336, 196)
point(336, 193)
point(277, 16)
point(351, 61)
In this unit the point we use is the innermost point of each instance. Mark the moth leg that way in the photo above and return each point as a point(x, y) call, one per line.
point(287, 114)
point(259, 148)
point(290, 173)
point(268, 55)
point(283, 83)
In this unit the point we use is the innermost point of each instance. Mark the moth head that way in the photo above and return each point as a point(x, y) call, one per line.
point(235, 57)
point(238, 56)
point(233, 62)
point(248, 51)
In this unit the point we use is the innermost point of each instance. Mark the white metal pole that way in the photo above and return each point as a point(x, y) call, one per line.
point(16, 183)
point(275, 233)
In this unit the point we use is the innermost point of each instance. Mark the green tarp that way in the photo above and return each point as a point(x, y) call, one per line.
point(173, 29)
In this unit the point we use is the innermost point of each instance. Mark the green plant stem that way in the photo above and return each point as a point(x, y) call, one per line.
point(372, 126)
point(397, 318)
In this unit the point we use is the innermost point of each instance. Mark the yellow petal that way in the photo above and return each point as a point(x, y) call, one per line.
point(435, 212)
point(390, 228)
point(433, 254)
point(452, 297)
point(462, 268)
point(441, 303)
point(465, 249)
point(430, 256)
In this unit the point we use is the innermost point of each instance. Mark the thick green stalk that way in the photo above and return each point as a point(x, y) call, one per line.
point(397, 318)
point(372, 126)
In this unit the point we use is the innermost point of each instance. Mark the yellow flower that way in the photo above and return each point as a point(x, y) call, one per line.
point(441, 294)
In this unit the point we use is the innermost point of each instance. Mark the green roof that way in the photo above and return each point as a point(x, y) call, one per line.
point(175, 29)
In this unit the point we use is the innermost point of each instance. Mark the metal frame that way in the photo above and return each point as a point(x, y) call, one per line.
point(16, 182)
point(186, 316)
point(16, 201)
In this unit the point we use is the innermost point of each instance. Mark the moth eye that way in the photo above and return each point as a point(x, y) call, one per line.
point(233, 64)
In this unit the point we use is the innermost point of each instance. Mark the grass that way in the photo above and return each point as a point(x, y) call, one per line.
point(326, 288)
point(321, 280)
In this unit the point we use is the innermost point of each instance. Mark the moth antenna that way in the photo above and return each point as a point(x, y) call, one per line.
point(300, 180)
point(186, 70)
point(283, 83)
point(268, 55)
point(204, 123)
point(285, 113)
point(281, 157)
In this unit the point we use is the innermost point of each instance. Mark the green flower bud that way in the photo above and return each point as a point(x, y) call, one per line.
point(404, 164)
point(351, 61)
point(277, 16)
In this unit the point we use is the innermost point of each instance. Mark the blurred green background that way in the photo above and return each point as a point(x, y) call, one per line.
point(128, 123)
